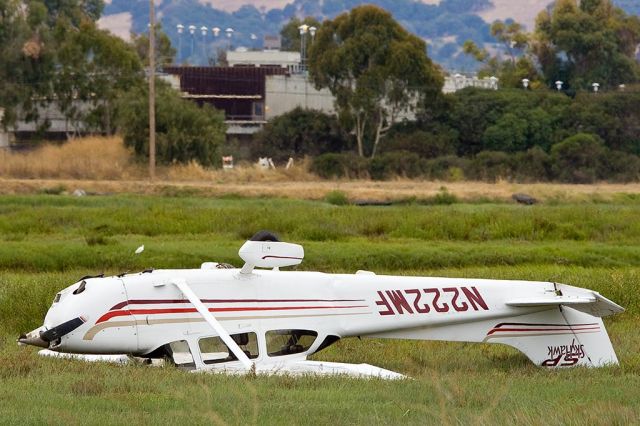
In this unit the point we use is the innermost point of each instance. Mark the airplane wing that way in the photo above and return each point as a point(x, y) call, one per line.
point(303, 367)
point(592, 303)
point(115, 359)
point(323, 368)
point(213, 322)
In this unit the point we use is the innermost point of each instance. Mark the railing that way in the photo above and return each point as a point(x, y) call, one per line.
point(245, 118)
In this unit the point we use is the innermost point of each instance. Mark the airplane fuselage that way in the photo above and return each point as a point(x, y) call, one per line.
point(276, 315)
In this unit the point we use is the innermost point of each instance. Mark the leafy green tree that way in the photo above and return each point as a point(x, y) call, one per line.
point(53, 53)
point(95, 68)
point(185, 132)
point(579, 158)
point(539, 115)
point(516, 67)
point(290, 33)
point(509, 134)
point(614, 116)
point(581, 42)
point(375, 69)
point(427, 144)
point(165, 52)
point(298, 133)
point(27, 59)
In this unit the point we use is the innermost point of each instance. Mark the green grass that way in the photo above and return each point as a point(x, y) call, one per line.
point(47, 242)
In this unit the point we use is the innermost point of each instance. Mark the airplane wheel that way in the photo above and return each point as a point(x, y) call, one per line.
point(264, 236)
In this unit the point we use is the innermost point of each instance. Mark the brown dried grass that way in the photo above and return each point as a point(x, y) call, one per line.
point(86, 158)
point(243, 173)
point(105, 165)
point(106, 158)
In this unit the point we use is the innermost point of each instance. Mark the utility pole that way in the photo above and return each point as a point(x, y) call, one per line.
point(152, 91)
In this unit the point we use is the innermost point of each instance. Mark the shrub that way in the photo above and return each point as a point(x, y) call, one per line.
point(185, 132)
point(298, 133)
point(333, 165)
point(443, 197)
point(450, 168)
point(426, 144)
point(508, 134)
point(578, 158)
point(337, 198)
point(490, 166)
point(397, 163)
point(533, 165)
point(620, 166)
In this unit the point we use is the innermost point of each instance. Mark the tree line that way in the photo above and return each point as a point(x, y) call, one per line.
point(375, 69)
point(52, 54)
point(378, 72)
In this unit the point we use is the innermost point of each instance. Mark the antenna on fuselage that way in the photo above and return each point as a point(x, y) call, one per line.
point(136, 252)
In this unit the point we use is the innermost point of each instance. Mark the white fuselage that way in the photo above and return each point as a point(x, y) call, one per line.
point(138, 313)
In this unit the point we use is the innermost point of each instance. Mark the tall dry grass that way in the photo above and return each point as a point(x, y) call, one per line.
point(242, 173)
point(106, 158)
point(86, 158)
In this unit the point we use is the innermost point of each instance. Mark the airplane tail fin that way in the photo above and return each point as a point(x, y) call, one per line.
point(558, 337)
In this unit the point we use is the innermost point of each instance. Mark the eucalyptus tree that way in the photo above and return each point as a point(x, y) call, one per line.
point(581, 42)
point(52, 52)
point(375, 69)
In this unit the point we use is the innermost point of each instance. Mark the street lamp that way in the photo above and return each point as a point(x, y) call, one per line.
point(204, 30)
point(559, 85)
point(304, 29)
point(229, 32)
point(192, 31)
point(458, 79)
point(525, 83)
point(215, 31)
point(180, 28)
point(595, 86)
point(312, 31)
point(494, 82)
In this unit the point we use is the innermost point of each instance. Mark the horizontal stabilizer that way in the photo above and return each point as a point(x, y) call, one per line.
point(591, 303)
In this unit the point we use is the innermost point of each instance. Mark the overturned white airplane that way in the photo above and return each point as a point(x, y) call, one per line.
point(218, 318)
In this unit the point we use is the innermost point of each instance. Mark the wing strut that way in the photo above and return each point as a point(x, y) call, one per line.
point(213, 322)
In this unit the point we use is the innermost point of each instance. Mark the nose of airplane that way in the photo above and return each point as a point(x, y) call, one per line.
point(42, 337)
point(33, 338)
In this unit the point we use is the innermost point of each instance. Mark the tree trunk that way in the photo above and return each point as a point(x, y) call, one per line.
point(360, 122)
point(380, 129)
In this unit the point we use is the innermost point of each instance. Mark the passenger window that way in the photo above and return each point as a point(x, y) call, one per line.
point(287, 342)
point(181, 354)
point(214, 350)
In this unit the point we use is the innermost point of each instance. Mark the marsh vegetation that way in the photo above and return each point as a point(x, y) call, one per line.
point(49, 241)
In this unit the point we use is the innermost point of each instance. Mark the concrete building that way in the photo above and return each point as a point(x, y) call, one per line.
point(453, 83)
point(59, 127)
point(286, 92)
point(5, 136)
point(238, 91)
point(264, 58)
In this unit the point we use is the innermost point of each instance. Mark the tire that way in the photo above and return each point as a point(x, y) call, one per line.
point(264, 236)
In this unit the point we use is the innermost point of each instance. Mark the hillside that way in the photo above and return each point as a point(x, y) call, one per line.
point(444, 24)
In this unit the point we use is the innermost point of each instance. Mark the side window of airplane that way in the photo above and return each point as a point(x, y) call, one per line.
point(214, 350)
point(181, 354)
point(287, 342)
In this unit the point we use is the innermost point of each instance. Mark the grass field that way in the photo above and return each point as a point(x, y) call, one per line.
point(48, 241)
